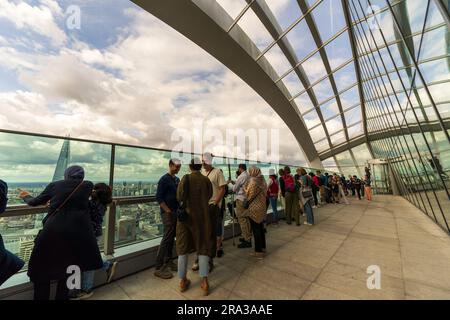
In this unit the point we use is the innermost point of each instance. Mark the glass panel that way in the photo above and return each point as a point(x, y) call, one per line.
point(278, 60)
point(314, 68)
point(329, 110)
point(339, 51)
point(329, 17)
point(353, 116)
point(137, 171)
point(31, 163)
point(293, 84)
point(286, 12)
point(334, 125)
point(350, 98)
point(338, 138)
point(232, 7)
point(345, 76)
point(317, 133)
point(136, 223)
point(304, 103)
point(301, 40)
point(254, 28)
point(311, 119)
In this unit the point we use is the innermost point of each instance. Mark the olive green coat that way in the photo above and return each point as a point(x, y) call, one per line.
point(194, 235)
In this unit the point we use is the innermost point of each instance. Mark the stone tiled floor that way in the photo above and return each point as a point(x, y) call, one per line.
point(326, 261)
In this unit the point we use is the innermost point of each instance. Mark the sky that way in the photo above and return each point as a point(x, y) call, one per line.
point(126, 77)
point(123, 77)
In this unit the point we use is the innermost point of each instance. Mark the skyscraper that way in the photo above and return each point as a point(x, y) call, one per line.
point(61, 166)
point(63, 161)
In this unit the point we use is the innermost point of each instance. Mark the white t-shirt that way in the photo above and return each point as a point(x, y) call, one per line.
point(218, 180)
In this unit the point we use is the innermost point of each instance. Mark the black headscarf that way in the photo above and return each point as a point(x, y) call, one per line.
point(74, 173)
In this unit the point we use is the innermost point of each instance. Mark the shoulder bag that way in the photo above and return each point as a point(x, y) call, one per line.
point(182, 214)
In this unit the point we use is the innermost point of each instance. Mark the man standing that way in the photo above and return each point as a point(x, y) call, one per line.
point(238, 189)
point(166, 196)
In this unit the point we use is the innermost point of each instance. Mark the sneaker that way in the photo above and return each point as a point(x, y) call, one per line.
point(73, 294)
point(83, 295)
point(258, 255)
point(220, 253)
point(86, 294)
point(111, 272)
point(164, 273)
point(195, 266)
point(172, 266)
point(245, 244)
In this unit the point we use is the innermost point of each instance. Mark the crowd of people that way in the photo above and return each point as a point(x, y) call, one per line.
point(192, 212)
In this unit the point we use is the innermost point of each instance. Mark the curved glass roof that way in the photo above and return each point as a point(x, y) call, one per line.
point(308, 45)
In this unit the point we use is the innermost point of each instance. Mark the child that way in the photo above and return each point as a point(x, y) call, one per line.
point(100, 199)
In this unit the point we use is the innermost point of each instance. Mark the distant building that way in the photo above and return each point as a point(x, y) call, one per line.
point(25, 249)
point(63, 161)
point(127, 229)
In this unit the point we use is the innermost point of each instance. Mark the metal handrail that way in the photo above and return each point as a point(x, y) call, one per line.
point(25, 210)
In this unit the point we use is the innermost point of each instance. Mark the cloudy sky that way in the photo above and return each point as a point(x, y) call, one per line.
point(123, 77)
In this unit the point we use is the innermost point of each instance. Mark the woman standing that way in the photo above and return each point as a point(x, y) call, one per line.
point(256, 195)
point(67, 238)
point(315, 189)
point(272, 194)
point(368, 188)
point(194, 234)
point(306, 195)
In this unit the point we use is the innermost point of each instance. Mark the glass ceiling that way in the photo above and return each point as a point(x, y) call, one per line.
point(317, 38)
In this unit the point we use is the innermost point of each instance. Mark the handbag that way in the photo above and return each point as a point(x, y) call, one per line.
point(307, 189)
point(182, 214)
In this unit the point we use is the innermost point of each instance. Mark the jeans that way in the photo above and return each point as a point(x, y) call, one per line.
point(168, 240)
point(309, 212)
point(260, 236)
point(203, 263)
point(88, 277)
point(273, 203)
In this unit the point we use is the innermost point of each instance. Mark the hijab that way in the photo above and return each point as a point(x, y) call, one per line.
point(74, 173)
point(257, 178)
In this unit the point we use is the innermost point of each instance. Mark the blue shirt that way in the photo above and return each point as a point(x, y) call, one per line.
point(167, 192)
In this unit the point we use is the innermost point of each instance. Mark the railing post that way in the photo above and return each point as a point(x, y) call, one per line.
point(110, 229)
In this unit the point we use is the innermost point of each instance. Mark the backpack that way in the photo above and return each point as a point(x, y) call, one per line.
point(289, 183)
point(273, 189)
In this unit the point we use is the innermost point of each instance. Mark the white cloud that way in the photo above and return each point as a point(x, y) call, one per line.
point(135, 103)
point(39, 19)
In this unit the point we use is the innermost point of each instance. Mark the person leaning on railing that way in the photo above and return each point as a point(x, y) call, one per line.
point(9, 263)
point(67, 237)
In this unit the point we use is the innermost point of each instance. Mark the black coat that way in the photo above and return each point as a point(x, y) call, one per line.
point(67, 237)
